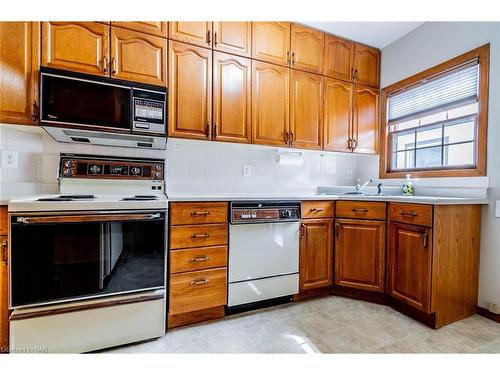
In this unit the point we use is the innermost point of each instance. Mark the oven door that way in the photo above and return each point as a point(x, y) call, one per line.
point(74, 256)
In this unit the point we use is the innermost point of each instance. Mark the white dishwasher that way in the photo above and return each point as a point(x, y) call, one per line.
point(263, 252)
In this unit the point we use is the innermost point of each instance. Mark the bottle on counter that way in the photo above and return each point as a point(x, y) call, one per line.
point(408, 188)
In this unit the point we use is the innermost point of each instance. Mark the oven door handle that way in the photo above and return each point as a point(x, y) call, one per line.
point(86, 218)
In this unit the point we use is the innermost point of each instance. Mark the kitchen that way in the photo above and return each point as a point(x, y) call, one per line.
point(172, 180)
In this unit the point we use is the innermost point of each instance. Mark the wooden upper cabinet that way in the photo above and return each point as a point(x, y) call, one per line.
point(233, 37)
point(307, 49)
point(270, 104)
point(138, 57)
point(367, 65)
point(409, 265)
point(316, 254)
point(271, 42)
point(339, 58)
point(199, 33)
point(306, 119)
point(158, 28)
point(366, 119)
point(19, 60)
point(190, 91)
point(337, 114)
point(360, 254)
point(232, 98)
point(77, 46)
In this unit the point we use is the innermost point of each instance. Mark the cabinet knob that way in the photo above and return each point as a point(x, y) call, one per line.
point(337, 230)
point(33, 111)
point(4, 251)
point(208, 37)
point(105, 64)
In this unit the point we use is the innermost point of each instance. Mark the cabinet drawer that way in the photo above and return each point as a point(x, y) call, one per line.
point(411, 213)
point(197, 290)
point(198, 235)
point(197, 259)
point(317, 209)
point(198, 213)
point(361, 210)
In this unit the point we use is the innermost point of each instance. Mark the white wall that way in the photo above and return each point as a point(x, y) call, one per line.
point(427, 46)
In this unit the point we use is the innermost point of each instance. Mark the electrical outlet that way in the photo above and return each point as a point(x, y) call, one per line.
point(247, 170)
point(9, 159)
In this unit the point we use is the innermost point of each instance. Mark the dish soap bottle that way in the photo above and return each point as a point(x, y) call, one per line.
point(408, 186)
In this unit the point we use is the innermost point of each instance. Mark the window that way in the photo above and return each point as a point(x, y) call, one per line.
point(435, 122)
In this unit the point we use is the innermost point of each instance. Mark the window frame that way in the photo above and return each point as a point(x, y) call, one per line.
point(483, 55)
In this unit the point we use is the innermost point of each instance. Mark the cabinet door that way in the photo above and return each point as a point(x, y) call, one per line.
point(306, 120)
point(233, 37)
point(409, 265)
point(138, 57)
point(232, 98)
point(19, 59)
point(316, 254)
point(339, 58)
point(270, 101)
point(199, 33)
point(367, 65)
point(77, 46)
point(337, 115)
point(307, 49)
point(190, 91)
point(365, 119)
point(4, 296)
point(360, 254)
point(158, 28)
point(271, 42)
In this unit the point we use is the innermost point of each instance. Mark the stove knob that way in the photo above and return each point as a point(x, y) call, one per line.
point(288, 213)
point(69, 163)
point(135, 170)
point(68, 172)
point(157, 175)
point(158, 167)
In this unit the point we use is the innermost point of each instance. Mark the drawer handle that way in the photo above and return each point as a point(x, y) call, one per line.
point(315, 209)
point(360, 210)
point(200, 235)
point(408, 213)
point(200, 213)
point(199, 282)
point(200, 259)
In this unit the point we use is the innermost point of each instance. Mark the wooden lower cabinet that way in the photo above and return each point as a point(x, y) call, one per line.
point(316, 254)
point(360, 254)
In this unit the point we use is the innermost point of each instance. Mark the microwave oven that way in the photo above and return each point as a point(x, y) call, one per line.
point(82, 108)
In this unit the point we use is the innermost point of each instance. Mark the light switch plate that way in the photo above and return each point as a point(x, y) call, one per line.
point(247, 170)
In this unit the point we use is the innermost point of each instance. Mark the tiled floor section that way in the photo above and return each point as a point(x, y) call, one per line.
point(326, 325)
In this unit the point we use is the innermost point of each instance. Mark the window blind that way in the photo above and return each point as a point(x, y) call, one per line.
point(452, 89)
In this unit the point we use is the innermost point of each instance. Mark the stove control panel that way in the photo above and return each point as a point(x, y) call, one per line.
point(79, 166)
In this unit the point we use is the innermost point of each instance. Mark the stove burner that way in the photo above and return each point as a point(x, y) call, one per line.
point(141, 198)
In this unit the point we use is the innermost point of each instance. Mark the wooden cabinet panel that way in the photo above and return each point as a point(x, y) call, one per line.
point(316, 254)
point(182, 213)
point(158, 28)
point(197, 290)
point(4, 295)
point(317, 209)
point(307, 49)
point(198, 258)
point(361, 210)
point(337, 114)
point(416, 214)
point(232, 98)
point(19, 60)
point(270, 104)
point(409, 265)
point(77, 46)
point(187, 236)
point(138, 57)
point(367, 65)
point(306, 120)
point(4, 224)
point(233, 37)
point(190, 91)
point(339, 58)
point(271, 42)
point(365, 119)
point(199, 33)
point(360, 254)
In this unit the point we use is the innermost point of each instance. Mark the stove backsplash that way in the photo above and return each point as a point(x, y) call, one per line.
point(193, 167)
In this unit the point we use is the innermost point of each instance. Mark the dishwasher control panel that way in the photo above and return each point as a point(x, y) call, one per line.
point(255, 212)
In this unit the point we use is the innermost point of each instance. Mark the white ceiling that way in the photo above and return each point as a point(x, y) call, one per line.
point(375, 34)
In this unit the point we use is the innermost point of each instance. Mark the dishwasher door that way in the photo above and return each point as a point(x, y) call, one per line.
point(263, 250)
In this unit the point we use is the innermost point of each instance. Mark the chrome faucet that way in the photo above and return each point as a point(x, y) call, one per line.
point(361, 187)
